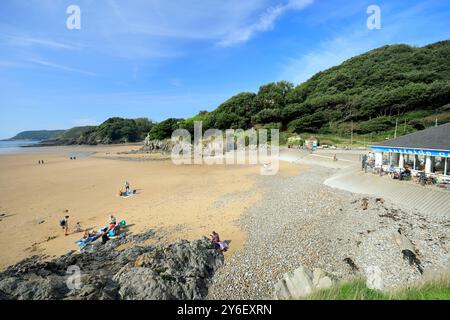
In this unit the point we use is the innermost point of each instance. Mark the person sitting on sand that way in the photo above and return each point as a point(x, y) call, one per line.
point(104, 235)
point(112, 223)
point(114, 230)
point(91, 235)
point(111, 226)
point(78, 227)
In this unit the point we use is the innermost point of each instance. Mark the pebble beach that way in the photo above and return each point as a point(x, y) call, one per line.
point(302, 222)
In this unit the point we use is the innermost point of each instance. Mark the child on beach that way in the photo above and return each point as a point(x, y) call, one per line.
point(78, 227)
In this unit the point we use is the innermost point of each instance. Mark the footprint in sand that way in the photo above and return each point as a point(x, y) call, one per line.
point(49, 239)
point(34, 246)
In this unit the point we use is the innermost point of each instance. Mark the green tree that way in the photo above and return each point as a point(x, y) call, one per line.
point(164, 129)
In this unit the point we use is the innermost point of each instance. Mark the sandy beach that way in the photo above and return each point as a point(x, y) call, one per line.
point(180, 202)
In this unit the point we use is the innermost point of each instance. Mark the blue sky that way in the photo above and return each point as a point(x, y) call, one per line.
point(173, 58)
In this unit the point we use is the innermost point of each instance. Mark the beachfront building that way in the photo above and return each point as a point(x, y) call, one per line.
point(425, 151)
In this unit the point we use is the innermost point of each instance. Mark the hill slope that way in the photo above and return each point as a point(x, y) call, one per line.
point(113, 130)
point(369, 92)
point(37, 135)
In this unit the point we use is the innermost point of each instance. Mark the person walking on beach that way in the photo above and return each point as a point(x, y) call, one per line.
point(127, 186)
point(364, 163)
point(64, 223)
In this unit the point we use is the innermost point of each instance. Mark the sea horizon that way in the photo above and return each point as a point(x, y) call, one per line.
point(16, 146)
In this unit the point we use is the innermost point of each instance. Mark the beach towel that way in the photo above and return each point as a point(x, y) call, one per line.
point(123, 234)
point(129, 194)
point(223, 245)
point(82, 243)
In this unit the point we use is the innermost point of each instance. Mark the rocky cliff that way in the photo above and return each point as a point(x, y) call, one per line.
point(179, 271)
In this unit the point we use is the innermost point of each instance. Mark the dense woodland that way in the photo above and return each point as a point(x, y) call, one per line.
point(370, 93)
point(367, 94)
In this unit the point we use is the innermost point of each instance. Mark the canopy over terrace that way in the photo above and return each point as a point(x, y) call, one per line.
point(427, 150)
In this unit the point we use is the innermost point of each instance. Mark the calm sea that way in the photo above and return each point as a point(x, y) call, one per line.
point(15, 146)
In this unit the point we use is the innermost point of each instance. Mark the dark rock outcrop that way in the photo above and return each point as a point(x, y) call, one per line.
point(182, 270)
point(179, 271)
point(160, 146)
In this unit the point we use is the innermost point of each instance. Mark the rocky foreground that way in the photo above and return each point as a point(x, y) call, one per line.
point(301, 223)
point(179, 271)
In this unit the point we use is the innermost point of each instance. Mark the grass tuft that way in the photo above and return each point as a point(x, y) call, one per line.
point(438, 289)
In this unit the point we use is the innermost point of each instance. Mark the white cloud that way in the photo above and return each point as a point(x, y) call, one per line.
point(201, 20)
point(142, 29)
point(60, 67)
point(266, 22)
point(328, 54)
point(26, 41)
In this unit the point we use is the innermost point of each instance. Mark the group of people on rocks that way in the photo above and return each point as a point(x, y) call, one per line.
point(113, 229)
